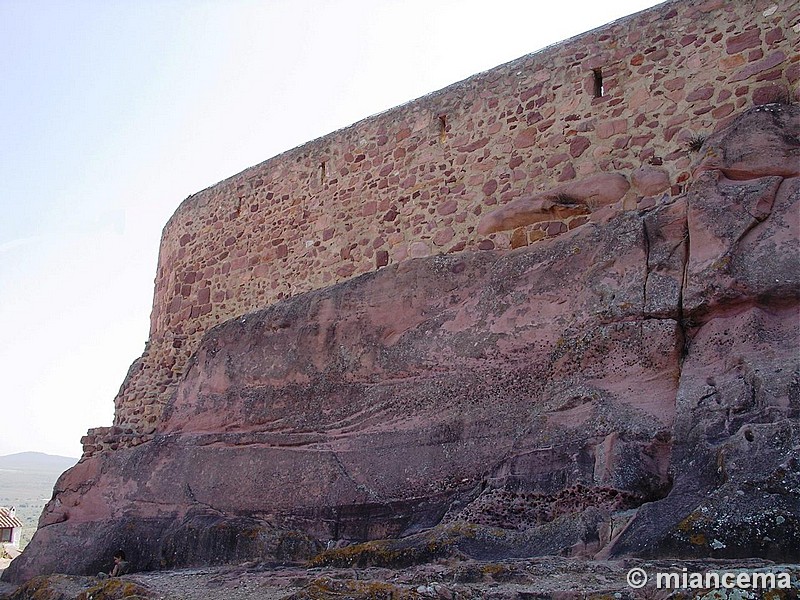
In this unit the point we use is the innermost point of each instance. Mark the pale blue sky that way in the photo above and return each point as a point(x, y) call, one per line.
point(113, 111)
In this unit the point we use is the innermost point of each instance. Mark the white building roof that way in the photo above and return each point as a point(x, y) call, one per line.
point(7, 519)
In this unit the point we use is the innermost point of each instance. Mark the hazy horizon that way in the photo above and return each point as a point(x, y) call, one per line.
point(38, 453)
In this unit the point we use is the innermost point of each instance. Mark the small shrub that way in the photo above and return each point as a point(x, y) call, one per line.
point(696, 142)
point(566, 199)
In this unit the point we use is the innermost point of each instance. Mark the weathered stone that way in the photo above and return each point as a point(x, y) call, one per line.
point(649, 181)
point(764, 144)
point(568, 173)
point(526, 138)
point(771, 61)
point(644, 363)
point(729, 63)
point(448, 207)
point(723, 111)
point(399, 161)
point(578, 145)
point(326, 378)
point(402, 134)
point(748, 39)
point(444, 236)
point(503, 126)
point(769, 94)
point(607, 129)
point(381, 258)
point(702, 93)
point(556, 159)
point(519, 238)
point(774, 36)
point(565, 200)
point(677, 83)
point(418, 250)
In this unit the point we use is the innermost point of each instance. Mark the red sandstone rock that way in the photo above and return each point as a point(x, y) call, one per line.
point(415, 175)
point(748, 39)
point(444, 236)
point(565, 200)
point(767, 143)
point(648, 363)
point(606, 129)
point(578, 145)
point(526, 138)
point(418, 250)
point(649, 181)
point(771, 61)
point(739, 409)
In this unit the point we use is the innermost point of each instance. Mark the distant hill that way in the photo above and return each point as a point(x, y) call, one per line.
point(36, 461)
point(26, 483)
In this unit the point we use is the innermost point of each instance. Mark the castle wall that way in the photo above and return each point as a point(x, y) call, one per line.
point(416, 180)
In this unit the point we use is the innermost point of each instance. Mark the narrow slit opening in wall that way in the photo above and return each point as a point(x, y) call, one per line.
point(322, 170)
point(599, 91)
point(442, 128)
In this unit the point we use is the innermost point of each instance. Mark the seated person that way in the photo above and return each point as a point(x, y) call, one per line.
point(121, 566)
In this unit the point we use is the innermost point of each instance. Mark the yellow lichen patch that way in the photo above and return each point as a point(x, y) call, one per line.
point(48, 587)
point(493, 569)
point(54, 587)
point(114, 589)
point(690, 522)
point(459, 529)
point(498, 571)
point(325, 588)
point(693, 528)
point(698, 539)
point(383, 553)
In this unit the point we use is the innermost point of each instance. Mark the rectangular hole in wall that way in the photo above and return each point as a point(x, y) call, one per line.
point(599, 91)
point(322, 172)
point(442, 128)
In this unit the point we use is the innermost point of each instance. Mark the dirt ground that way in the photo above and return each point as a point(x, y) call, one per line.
point(539, 578)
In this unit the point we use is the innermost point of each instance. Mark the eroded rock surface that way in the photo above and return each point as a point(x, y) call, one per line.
point(568, 199)
point(628, 388)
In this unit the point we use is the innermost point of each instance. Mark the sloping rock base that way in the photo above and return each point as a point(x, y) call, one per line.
point(628, 389)
point(545, 578)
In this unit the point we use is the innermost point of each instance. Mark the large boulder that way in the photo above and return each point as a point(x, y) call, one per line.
point(628, 388)
point(736, 445)
point(569, 199)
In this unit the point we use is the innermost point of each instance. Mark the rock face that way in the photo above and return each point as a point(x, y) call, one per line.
point(628, 388)
point(568, 199)
point(610, 110)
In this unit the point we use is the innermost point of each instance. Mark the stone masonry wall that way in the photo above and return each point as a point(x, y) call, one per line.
point(627, 98)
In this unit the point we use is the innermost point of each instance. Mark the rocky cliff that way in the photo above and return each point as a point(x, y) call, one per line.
point(628, 388)
point(606, 115)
